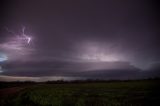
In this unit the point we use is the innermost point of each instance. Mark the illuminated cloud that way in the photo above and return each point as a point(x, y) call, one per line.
point(17, 46)
point(98, 52)
point(1, 69)
point(37, 79)
point(73, 37)
point(3, 57)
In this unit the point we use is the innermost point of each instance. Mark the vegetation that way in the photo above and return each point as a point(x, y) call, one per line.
point(112, 93)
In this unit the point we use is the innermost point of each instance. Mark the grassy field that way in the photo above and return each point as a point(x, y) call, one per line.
point(129, 93)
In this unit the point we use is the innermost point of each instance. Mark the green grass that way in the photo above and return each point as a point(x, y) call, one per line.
point(134, 93)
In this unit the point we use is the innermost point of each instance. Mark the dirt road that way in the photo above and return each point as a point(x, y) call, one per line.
point(9, 91)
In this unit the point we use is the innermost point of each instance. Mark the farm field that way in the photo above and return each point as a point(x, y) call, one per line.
point(118, 93)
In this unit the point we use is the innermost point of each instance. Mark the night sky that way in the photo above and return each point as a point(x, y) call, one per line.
point(48, 39)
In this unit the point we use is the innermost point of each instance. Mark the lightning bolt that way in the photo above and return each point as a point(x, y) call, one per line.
point(25, 36)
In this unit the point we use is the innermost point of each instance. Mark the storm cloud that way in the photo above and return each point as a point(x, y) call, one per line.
point(79, 38)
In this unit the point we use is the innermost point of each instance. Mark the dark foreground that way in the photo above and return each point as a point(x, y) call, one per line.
point(117, 93)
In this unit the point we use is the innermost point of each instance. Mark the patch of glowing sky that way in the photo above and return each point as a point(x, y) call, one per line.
point(3, 57)
point(98, 52)
point(39, 79)
point(17, 45)
point(1, 69)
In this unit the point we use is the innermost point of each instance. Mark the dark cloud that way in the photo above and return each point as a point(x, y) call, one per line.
point(76, 33)
point(62, 68)
point(78, 70)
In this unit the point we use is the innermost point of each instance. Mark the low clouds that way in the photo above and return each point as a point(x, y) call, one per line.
point(56, 70)
point(62, 68)
point(43, 71)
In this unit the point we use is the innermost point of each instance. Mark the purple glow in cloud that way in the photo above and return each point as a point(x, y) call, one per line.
point(98, 52)
point(17, 46)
